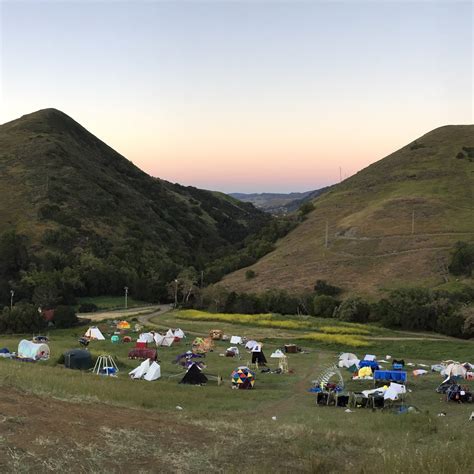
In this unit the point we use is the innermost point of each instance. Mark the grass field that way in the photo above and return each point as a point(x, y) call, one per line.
point(104, 303)
point(226, 430)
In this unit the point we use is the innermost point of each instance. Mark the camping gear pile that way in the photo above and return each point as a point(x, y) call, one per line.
point(216, 334)
point(148, 370)
point(243, 378)
point(189, 358)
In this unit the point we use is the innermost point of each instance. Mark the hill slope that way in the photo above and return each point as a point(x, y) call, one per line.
point(71, 194)
point(369, 216)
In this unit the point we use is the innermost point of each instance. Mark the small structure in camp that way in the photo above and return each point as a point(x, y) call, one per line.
point(142, 353)
point(243, 378)
point(282, 360)
point(105, 365)
point(78, 359)
point(194, 376)
point(216, 334)
point(94, 334)
point(146, 337)
point(163, 341)
point(454, 370)
point(123, 325)
point(188, 358)
point(33, 351)
point(147, 370)
point(258, 357)
point(201, 346)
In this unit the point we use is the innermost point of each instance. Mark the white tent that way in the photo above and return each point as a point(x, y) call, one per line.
point(94, 333)
point(146, 337)
point(30, 350)
point(250, 344)
point(454, 370)
point(347, 360)
point(141, 370)
point(236, 340)
point(153, 373)
point(169, 333)
point(278, 354)
point(158, 338)
point(179, 333)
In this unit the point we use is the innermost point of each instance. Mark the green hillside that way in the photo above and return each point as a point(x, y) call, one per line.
point(82, 205)
point(392, 224)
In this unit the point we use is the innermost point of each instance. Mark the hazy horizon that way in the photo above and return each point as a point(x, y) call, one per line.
point(240, 96)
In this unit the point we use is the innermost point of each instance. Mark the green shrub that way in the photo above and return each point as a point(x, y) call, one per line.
point(65, 317)
point(323, 288)
point(88, 308)
point(462, 259)
point(324, 306)
point(353, 310)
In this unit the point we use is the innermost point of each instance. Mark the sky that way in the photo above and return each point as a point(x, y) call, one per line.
point(242, 96)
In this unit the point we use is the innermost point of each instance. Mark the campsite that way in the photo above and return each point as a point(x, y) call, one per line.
point(102, 421)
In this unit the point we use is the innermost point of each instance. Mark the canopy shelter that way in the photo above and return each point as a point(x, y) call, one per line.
point(78, 359)
point(194, 376)
point(31, 350)
point(93, 333)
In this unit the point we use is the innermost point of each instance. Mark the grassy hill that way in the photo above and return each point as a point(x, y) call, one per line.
point(72, 196)
point(372, 245)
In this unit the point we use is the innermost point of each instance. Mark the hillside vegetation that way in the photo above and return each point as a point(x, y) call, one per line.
point(88, 221)
point(393, 224)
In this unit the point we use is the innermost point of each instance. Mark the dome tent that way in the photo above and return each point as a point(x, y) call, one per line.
point(30, 350)
point(123, 325)
point(78, 359)
point(243, 378)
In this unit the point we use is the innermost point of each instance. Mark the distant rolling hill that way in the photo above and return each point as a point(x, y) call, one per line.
point(371, 244)
point(73, 195)
point(278, 203)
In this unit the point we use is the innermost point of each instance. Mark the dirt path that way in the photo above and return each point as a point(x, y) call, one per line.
point(144, 319)
point(121, 313)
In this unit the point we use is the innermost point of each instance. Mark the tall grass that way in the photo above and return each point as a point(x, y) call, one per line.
point(343, 339)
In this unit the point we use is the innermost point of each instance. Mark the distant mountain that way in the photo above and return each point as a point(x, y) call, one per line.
point(392, 224)
point(278, 203)
point(82, 205)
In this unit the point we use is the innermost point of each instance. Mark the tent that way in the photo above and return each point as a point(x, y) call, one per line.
point(94, 333)
point(243, 378)
point(194, 376)
point(365, 372)
point(250, 344)
point(165, 341)
point(146, 337)
point(232, 351)
point(454, 370)
point(123, 325)
point(141, 370)
point(30, 350)
point(348, 360)
point(179, 333)
point(153, 373)
point(169, 333)
point(258, 357)
point(78, 359)
point(236, 340)
point(393, 391)
point(278, 354)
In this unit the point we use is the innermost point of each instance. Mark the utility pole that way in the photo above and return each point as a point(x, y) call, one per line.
point(340, 174)
point(413, 222)
point(175, 293)
point(126, 296)
point(202, 278)
point(326, 240)
point(11, 299)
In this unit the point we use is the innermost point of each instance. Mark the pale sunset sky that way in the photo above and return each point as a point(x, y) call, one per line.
point(246, 96)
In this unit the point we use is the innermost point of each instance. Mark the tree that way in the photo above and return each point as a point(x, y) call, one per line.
point(354, 310)
point(324, 306)
point(323, 288)
point(462, 260)
point(65, 317)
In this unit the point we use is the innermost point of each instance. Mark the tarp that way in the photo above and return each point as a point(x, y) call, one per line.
point(257, 348)
point(370, 357)
point(30, 350)
point(153, 373)
point(141, 370)
point(236, 340)
point(94, 333)
point(393, 391)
